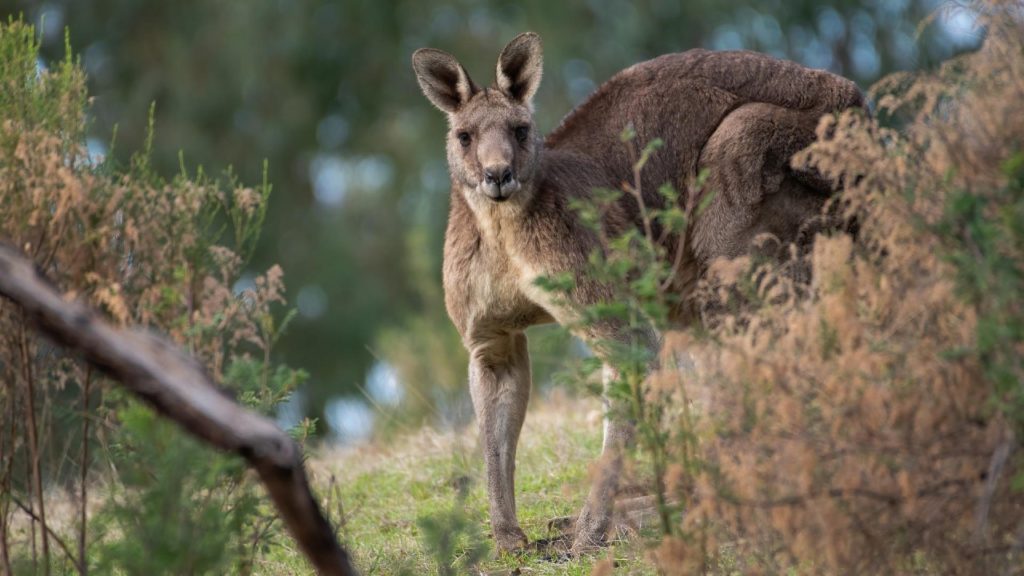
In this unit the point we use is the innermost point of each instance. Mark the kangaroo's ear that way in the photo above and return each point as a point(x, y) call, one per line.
point(520, 66)
point(443, 80)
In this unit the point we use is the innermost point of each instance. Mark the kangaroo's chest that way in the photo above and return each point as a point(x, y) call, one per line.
point(493, 284)
point(488, 289)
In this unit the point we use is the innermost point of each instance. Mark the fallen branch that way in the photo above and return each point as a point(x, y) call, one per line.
point(177, 387)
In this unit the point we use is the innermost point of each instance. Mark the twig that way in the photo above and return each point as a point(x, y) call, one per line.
point(32, 524)
point(33, 441)
point(995, 470)
point(258, 536)
point(5, 480)
point(56, 538)
point(176, 386)
point(83, 472)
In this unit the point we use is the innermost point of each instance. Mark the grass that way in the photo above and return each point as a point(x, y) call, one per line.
point(378, 493)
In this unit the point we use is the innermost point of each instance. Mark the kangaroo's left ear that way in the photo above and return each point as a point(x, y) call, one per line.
point(443, 80)
point(520, 66)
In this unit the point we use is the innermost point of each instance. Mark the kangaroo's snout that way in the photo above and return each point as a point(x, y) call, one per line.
point(499, 182)
point(499, 175)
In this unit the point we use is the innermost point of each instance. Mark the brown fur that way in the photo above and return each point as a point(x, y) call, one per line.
point(740, 115)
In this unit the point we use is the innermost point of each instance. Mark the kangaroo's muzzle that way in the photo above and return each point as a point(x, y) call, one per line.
point(499, 183)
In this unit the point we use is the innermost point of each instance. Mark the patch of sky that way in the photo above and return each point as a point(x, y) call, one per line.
point(767, 31)
point(311, 301)
point(578, 79)
point(96, 61)
point(335, 176)
point(960, 24)
point(445, 20)
point(383, 386)
point(349, 420)
point(96, 151)
point(726, 37)
point(332, 131)
point(51, 23)
point(244, 283)
point(292, 410)
point(830, 24)
point(481, 24)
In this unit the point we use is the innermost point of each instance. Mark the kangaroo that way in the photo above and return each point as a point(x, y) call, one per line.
point(739, 115)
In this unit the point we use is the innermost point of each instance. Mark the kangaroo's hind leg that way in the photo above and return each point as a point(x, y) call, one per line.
point(595, 519)
point(756, 190)
point(499, 383)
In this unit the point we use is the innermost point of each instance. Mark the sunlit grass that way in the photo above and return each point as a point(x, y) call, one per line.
point(377, 494)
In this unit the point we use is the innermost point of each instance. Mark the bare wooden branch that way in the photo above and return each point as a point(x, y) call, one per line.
point(177, 387)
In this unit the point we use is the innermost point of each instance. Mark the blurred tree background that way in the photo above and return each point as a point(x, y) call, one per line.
point(323, 89)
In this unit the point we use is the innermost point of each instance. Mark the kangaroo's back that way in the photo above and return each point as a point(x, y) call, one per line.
point(682, 98)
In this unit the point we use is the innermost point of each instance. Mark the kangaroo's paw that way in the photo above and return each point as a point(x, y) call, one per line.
point(510, 539)
point(628, 517)
point(592, 527)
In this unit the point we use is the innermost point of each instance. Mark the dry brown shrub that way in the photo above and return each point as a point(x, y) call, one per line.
point(845, 430)
point(143, 250)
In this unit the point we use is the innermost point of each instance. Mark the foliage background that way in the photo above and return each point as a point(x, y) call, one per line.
point(323, 90)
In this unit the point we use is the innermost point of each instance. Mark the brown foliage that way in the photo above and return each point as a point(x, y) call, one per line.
point(844, 430)
point(142, 250)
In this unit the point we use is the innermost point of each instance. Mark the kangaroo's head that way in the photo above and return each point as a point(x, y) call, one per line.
point(492, 144)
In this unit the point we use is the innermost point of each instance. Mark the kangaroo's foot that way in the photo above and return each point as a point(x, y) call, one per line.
point(592, 527)
point(629, 516)
point(510, 539)
point(596, 517)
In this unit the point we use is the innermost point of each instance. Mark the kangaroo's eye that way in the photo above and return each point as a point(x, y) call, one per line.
point(464, 139)
point(522, 133)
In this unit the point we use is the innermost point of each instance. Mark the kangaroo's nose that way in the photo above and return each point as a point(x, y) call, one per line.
point(499, 175)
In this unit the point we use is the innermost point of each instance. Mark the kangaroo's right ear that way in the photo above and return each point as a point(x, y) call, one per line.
point(443, 80)
point(520, 66)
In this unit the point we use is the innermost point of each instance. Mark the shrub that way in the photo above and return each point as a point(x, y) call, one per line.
point(166, 254)
point(868, 422)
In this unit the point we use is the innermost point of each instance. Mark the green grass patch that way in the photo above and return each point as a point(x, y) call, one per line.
point(380, 497)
